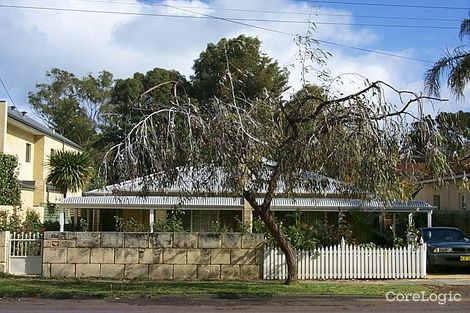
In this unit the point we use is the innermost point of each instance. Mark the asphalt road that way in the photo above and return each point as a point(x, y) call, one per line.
point(201, 305)
point(443, 283)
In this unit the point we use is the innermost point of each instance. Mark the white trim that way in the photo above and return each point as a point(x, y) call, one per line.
point(62, 219)
point(230, 203)
point(151, 219)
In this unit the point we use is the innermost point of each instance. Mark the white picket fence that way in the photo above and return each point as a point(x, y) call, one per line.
point(349, 262)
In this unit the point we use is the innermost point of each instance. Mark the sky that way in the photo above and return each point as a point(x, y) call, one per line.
point(127, 36)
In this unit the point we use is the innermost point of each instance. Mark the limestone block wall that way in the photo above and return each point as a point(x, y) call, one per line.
point(153, 256)
point(3, 251)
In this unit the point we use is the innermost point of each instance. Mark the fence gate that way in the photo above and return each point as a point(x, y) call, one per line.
point(25, 256)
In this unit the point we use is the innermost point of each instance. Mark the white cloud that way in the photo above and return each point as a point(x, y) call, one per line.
point(123, 44)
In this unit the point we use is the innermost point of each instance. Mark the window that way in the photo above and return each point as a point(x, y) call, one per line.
point(204, 221)
point(463, 201)
point(436, 201)
point(28, 153)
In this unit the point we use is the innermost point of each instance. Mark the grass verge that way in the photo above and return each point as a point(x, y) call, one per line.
point(62, 289)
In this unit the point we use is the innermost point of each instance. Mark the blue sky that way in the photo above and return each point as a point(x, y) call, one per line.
point(427, 42)
point(82, 42)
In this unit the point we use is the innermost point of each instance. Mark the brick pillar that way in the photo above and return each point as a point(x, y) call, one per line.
point(247, 216)
point(4, 251)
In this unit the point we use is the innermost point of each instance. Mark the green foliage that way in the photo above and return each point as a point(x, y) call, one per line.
point(454, 64)
point(220, 227)
point(69, 170)
point(451, 133)
point(4, 220)
point(129, 225)
point(14, 223)
point(368, 245)
point(307, 237)
point(240, 226)
point(51, 212)
point(258, 226)
point(299, 236)
point(84, 226)
point(10, 191)
point(172, 223)
point(32, 222)
point(14, 287)
point(236, 62)
point(51, 225)
point(399, 242)
point(72, 106)
point(127, 107)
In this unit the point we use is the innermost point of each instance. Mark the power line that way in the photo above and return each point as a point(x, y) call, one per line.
point(318, 40)
point(233, 18)
point(413, 6)
point(6, 90)
point(214, 18)
point(280, 12)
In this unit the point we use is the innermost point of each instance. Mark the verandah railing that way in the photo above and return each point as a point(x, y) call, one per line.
point(345, 261)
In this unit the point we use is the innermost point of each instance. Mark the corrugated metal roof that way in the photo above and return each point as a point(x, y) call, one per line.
point(26, 120)
point(224, 203)
point(184, 183)
point(347, 204)
point(137, 202)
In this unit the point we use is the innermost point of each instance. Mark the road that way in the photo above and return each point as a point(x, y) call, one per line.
point(202, 305)
point(443, 283)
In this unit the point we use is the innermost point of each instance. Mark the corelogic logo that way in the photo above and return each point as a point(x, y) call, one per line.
point(440, 298)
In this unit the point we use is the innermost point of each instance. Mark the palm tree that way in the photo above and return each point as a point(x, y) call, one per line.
point(69, 170)
point(456, 64)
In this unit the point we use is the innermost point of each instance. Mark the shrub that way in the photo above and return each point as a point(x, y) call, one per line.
point(307, 237)
point(32, 222)
point(172, 223)
point(129, 225)
point(14, 223)
point(10, 191)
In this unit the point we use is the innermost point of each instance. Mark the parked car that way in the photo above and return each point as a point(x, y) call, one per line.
point(446, 246)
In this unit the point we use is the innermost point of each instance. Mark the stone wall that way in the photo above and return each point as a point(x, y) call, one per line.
point(3, 252)
point(153, 256)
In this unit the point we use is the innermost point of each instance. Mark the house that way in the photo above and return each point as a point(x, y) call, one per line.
point(203, 212)
point(32, 143)
point(450, 196)
point(450, 199)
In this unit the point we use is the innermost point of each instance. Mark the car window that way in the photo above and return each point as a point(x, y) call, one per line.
point(444, 235)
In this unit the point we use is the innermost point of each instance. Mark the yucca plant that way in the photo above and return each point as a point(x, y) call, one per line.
point(69, 170)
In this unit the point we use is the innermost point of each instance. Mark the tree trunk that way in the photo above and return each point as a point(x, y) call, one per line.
point(281, 240)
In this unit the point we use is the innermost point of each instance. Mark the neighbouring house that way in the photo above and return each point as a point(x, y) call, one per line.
point(32, 143)
point(450, 199)
point(452, 195)
point(203, 212)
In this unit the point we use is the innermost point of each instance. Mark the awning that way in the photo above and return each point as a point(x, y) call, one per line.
point(231, 203)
